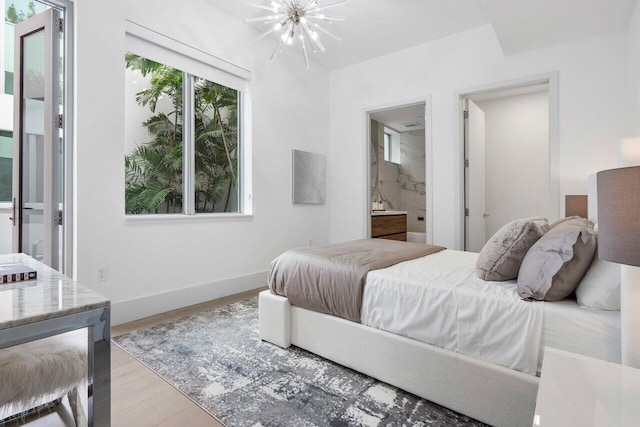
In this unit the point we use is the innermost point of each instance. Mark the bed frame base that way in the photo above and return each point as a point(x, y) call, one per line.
point(489, 393)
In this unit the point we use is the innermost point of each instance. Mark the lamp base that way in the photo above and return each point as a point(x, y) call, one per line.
point(630, 315)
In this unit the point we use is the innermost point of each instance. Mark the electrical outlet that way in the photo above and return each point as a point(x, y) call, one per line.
point(101, 274)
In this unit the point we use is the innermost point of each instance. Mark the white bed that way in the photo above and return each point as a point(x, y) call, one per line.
point(474, 367)
point(439, 300)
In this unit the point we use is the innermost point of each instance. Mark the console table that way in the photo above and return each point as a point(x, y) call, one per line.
point(54, 304)
point(390, 225)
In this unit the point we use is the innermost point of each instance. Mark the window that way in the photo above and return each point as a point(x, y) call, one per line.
point(15, 11)
point(387, 146)
point(391, 146)
point(153, 134)
point(184, 139)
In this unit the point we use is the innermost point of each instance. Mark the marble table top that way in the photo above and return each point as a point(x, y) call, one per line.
point(580, 391)
point(382, 213)
point(51, 295)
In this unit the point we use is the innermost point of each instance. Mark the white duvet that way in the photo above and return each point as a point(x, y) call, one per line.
point(438, 299)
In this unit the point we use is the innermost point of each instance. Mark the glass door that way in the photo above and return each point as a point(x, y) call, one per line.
point(37, 208)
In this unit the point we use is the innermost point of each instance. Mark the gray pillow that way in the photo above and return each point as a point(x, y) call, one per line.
point(501, 256)
point(555, 264)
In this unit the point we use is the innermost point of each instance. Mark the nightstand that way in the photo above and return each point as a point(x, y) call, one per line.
point(577, 390)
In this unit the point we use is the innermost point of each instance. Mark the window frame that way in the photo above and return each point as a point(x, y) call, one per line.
point(195, 63)
point(387, 146)
point(391, 145)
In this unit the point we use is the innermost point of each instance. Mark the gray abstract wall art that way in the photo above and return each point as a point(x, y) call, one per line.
point(309, 178)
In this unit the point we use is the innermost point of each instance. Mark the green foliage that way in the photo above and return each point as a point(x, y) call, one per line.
point(31, 9)
point(216, 145)
point(12, 15)
point(153, 171)
point(15, 17)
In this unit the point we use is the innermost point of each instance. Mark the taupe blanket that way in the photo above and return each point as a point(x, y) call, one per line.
point(330, 279)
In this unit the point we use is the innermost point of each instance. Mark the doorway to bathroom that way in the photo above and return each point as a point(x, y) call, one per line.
point(397, 184)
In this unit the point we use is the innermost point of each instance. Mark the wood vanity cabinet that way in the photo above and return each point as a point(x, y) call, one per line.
point(393, 227)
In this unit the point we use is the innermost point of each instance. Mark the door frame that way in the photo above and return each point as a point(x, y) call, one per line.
point(471, 199)
point(428, 152)
point(552, 79)
point(65, 8)
point(69, 178)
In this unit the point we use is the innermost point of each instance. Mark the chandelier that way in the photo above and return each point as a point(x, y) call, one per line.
point(297, 17)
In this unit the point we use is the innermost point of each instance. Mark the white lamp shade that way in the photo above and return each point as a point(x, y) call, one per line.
point(629, 152)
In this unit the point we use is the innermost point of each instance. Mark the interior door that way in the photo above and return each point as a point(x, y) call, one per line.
point(474, 142)
point(37, 143)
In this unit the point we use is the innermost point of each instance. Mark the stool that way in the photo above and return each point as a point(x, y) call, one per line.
point(42, 371)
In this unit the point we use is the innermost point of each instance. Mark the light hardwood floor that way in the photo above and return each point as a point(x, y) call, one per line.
point(139, 397)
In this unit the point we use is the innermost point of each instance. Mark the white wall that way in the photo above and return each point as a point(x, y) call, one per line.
point(182, 261)
point(135, 134)
point(6, 229)
point(516, 158)
point(387, 187)
point(633, 71)
point(592, 114)
point(6, 104)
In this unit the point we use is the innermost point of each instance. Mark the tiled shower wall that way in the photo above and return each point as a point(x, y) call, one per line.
point(413, 179)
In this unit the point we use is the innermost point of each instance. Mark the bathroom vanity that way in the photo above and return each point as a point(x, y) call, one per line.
point(389, 225)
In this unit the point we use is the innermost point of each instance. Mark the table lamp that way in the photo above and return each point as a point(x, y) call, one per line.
point(629, 151)
point(619, 242)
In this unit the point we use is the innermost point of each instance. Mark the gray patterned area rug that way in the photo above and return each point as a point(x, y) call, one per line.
point(217, 359)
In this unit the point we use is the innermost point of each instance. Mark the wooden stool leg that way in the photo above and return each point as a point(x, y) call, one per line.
point(76, 407)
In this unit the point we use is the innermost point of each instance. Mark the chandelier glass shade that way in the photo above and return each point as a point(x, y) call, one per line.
point(297, 18)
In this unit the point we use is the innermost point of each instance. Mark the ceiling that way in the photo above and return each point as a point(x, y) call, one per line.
point(377, 27)
point(403, 119)
point(523, 25)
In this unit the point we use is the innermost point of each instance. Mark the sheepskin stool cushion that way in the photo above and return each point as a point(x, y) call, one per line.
point(42, 371)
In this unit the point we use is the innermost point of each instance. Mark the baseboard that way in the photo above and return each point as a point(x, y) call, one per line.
point(139, 308)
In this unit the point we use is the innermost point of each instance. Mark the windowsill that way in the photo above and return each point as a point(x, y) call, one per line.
point(182, 217)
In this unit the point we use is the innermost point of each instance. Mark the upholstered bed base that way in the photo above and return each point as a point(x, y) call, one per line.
point(490, 393)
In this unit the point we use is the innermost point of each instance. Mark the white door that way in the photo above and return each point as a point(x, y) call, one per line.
point(37, 143)
point(474, 142)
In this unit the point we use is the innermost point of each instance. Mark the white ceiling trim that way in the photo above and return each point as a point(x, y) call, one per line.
point(375, 28)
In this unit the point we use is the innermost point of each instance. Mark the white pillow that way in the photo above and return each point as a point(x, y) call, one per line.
point(600, 287)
